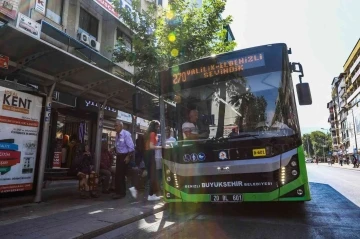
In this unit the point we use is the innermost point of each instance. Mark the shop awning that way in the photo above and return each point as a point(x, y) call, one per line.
point(37, 62)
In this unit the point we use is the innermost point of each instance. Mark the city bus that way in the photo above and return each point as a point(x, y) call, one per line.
point(237, 128)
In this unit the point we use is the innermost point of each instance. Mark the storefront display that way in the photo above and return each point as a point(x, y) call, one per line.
point(20, 115)
point(70, 133)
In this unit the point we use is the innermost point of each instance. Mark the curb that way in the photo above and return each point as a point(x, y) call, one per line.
point(116, 225)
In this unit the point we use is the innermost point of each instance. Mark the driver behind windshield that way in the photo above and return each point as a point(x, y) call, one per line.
point(189, 128)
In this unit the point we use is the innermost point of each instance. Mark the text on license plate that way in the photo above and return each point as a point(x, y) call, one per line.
point(227, 198)
point(259, 152)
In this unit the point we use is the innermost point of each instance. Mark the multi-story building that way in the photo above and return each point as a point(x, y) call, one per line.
point(334, 117)
point(345, 94)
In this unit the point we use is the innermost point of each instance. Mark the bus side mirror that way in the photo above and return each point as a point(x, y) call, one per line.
point(304, 94)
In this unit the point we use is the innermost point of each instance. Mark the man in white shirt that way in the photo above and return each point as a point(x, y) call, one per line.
point(189, 128)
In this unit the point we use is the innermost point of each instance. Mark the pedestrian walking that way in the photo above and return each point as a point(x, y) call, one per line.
point(149, 158)
point(124, 147)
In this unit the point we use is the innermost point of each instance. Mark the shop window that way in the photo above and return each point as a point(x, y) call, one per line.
point(89, 23)
point(54, 10)
point(127, 40)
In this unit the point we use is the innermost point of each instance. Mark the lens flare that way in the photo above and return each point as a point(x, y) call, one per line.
point(175, 70)
point(172, 37)
point(169, 14)
point(174, 52)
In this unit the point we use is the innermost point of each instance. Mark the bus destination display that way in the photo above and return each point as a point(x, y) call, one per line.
point(222, 67)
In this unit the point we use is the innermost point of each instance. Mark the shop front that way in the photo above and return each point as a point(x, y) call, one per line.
point(52, 69)
point(75, 127)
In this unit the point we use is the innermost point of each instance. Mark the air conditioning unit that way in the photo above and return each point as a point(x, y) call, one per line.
point(84, 37)
point(94, 44)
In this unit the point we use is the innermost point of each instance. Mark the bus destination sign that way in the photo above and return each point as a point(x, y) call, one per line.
point(222, 67)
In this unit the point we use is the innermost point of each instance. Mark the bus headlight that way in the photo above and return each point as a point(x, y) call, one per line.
point(294, 172)
point(168, 179)
point(293, 163)
point(168, 195)
point(299, 192)
point(168, 171)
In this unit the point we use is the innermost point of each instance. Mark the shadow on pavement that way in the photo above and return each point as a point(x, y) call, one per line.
point(328, 215)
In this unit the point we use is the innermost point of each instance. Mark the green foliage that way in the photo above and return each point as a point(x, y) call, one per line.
point(179, 34)
point(317, 143)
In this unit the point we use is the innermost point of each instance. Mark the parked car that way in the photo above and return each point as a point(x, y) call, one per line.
point(308, 161)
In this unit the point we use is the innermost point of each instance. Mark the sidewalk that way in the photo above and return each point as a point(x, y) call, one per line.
point(68, 216)
point(337, 165)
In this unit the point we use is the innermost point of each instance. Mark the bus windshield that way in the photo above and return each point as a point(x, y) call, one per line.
point(238, 107)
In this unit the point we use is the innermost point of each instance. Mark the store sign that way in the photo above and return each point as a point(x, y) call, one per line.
point(4, 62)
point(64, 99)
point(123, 116)
point(88, 105)
point(9, 8)
point(19, 129)
point(28, 25)
point(40, 6)
point(110, 7)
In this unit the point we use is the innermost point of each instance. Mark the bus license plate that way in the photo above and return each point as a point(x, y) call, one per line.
point(227, 198)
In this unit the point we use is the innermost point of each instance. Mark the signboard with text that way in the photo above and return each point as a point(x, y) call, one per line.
point(110, 8)
point(19, 129)
point(123, 116)
point(28, 25)
point(89, 105)
point(40, 6)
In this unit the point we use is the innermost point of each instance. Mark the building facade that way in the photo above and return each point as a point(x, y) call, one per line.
point(344, 107)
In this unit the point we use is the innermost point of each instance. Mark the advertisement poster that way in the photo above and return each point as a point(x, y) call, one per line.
point(28, 25)
point(9, 8)
point(19, 129)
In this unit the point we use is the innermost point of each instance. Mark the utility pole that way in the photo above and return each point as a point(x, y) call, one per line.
point(308, 146)
point(355, 153)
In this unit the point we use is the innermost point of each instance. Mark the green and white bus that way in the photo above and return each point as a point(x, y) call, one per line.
point(237, 127)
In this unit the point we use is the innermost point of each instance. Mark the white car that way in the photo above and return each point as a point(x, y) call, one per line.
point(308, 161)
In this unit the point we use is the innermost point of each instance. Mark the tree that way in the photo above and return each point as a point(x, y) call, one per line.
point(166, 37)
point(320, 142)
point(308, 146)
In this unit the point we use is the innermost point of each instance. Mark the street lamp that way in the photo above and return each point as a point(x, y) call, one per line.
point(352, 113)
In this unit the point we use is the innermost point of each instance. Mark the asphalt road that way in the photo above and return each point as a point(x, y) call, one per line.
point(333, 212)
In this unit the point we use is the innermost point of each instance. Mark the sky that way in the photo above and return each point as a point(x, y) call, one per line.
point(321, 34)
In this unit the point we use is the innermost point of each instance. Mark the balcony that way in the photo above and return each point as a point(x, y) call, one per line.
point(352, 68)
point(349, 89)
point(354, 78)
